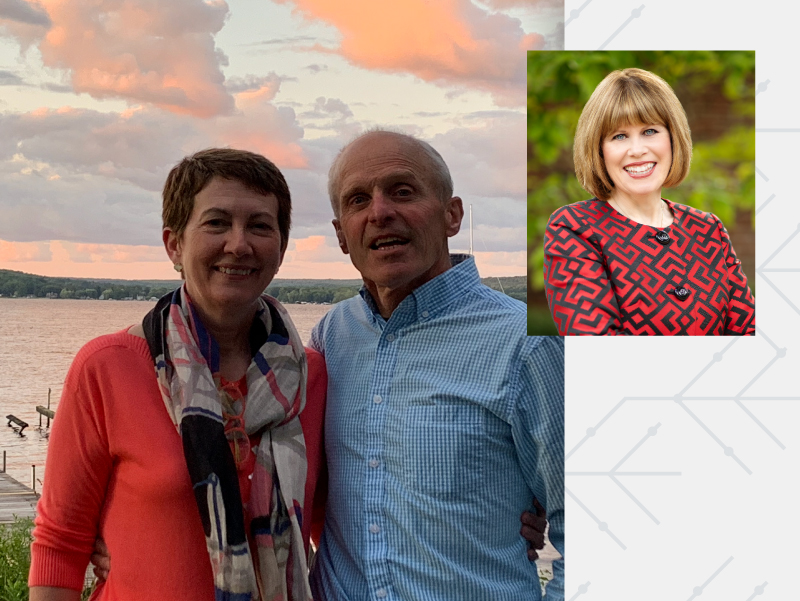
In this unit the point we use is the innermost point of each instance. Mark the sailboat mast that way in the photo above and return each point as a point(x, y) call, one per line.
point(470, 229)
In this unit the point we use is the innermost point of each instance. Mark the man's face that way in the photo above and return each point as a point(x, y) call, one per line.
point(391, 221)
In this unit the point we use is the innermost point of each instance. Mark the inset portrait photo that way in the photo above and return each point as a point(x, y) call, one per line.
point(641, 193)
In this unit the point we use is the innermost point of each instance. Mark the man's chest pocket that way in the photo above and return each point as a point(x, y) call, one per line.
point(446, 446)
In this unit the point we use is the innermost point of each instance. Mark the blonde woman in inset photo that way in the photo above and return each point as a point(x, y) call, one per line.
point(628, 261)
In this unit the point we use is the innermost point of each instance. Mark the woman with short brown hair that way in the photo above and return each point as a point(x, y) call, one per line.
point(629, 262)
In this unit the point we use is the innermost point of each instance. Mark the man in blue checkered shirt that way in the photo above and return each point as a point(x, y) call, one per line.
point(444, 419)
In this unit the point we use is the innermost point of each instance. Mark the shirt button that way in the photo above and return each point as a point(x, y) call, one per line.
point(377, 399)
point(373, 463)
point(681, 293)
point(374, 528)
point(425, 313)
point(381, 593)
point(390, 337)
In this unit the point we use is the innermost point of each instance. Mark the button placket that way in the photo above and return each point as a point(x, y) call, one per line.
point(376, 551)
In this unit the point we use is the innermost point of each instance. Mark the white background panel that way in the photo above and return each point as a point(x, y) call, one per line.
point(693, 522)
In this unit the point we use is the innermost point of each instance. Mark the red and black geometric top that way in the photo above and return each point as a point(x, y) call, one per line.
point(608, 275)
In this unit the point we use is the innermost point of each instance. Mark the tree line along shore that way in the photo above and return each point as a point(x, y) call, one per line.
point(16, 284)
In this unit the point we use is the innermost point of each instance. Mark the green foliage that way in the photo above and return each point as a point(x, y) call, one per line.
point(20, 285)
point(545, 576)
point(317, 294)
point(540, 322)
point(722, 177)
point(15, 559)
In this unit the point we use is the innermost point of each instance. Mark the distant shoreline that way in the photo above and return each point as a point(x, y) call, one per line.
point(17, 284)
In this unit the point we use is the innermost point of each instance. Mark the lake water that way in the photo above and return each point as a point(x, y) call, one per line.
point(38, 340)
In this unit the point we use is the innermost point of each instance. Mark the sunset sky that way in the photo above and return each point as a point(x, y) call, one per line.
point(100, 98)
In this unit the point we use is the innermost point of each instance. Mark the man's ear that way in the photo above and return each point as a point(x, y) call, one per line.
point(340, 236)
point(454, 213)
point(172, 245)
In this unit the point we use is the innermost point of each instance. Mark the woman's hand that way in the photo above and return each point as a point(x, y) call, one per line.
point(101, 560)
point(533, 527)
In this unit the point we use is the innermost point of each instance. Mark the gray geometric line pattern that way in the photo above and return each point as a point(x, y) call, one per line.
point(680, 400)
point(780, 248)
point(782, 270)
point(759, 590)
point(780, 293)
point(762, 87)
point(716, 358)
point(760, 425)
point(761, 270)
point(612, 474)
point(639, 504)
point(575, 13)
point(622, 473)
point(602, 525)
point(766, 202)
point(581, 590)
point(717, 398)
point(726, 449)
point(780, 353)
point(698, 590)
point(761, 173)
point(650, 432)
point(593, 430)
point(635, 13)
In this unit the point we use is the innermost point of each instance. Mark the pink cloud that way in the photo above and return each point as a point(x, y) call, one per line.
point(260, 126)
point(315, 249)
point(151, 51)
point(506, 4)
point(14, 252)
point(501, 264)
point(451, 42)
point(107, 253)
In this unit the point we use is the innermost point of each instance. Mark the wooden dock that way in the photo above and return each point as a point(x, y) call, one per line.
point(16, 499)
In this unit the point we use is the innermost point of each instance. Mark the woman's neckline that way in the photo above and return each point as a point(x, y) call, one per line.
point(670, 208)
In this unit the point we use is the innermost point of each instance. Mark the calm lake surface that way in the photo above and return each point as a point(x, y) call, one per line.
point(39, 338)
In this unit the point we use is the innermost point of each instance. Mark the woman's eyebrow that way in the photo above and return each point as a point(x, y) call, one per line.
point(215, 211)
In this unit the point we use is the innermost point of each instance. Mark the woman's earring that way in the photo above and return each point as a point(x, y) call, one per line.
point(178, 267)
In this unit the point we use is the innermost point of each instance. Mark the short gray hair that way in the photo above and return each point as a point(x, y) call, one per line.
point(438, 172)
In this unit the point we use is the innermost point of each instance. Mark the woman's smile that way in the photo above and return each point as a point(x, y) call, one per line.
point(637, 170)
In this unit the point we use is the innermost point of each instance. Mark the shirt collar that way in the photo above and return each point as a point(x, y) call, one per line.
point(433, 295)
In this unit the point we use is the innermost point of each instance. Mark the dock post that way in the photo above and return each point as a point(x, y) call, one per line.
point(33, 477)
point(4, 462)
point(48, 406)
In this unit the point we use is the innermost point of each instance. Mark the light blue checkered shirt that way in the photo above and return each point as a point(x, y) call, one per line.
point(442, 424)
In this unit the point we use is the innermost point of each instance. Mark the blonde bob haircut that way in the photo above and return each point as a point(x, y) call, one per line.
point(629, 97)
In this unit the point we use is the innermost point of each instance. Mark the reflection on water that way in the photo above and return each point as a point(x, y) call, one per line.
point(38, 340)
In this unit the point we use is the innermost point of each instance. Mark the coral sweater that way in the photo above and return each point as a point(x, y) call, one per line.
point(115, 469)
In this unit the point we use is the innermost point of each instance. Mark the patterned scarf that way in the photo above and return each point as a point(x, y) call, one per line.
point(187, 359)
